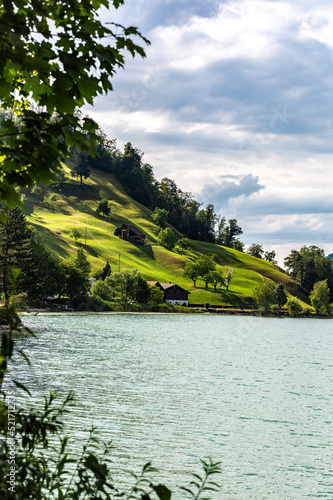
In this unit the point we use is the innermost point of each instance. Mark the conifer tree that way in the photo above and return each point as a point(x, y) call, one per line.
point(106, 271)
point(280, 295)
point(80, 165)
point(49, 274)
point(15, 253)
point(81, 262)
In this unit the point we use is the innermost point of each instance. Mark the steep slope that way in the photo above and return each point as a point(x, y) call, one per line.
point(75, 207)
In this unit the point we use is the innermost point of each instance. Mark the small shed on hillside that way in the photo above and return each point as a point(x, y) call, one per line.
point(173, 294)
point(130, 233)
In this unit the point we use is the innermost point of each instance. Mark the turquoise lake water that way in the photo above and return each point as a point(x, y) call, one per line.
point(254, 393)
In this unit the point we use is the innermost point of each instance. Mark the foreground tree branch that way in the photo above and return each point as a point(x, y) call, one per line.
point(56, 56)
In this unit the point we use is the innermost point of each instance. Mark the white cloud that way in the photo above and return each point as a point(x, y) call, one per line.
point(234, 88)
point(219, 193)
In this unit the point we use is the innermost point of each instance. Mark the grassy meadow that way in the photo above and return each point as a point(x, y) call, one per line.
point(75, 207)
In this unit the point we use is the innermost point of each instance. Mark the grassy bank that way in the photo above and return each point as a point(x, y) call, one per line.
point(75, 207)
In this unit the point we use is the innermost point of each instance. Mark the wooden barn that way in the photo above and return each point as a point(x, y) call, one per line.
point(173, 294)
point(131, 233)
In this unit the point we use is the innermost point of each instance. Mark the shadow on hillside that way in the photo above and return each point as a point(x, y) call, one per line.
point(88, 192)
point(76, 196)
point(222, 260)
point(81, 206)
point(55, 209)
point(106, 193)
point(36, 218)
point(90, 250)
point(59, 246)
point(295, 289)
point(84, 192)
point(104, 218)
point(114, 219)
point(118, 221)
point(227, 296)
point(146, 249)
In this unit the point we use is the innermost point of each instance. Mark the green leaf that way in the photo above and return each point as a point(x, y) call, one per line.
point(117, 3)
point(92, 463)
point(24, 356)
point(162, 492)
point(21, 386)
point(187, 490)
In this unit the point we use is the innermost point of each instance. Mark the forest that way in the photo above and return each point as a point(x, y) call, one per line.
point(169, 203)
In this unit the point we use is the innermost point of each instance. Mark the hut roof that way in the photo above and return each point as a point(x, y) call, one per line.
point(135, 230)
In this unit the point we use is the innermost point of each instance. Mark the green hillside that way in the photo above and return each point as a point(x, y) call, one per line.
point(75, 208)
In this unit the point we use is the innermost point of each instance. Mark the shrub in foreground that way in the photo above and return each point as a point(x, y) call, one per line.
point(45, 469)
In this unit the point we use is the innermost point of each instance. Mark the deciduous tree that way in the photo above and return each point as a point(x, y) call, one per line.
point(192, 271)
point(183, 244)
point(128, 285)
point(294, 306)
point(320, 297)
point(206, 265)
point(160, 217)
point(206, 220)
point(255, 250)
point(55, 57)
point(215, 278)
point(75, 234)
point(227, 232)
point(141, 290)
point(103, 290)
point(156, 296)
point(49, 275)
point(167, 238)
point(77, 283)
point(264, 294)
point(238, 245)
point(309, 265)
point(294, 264)
point(228, 278)
point(80, 165)
point(270, 257)
point(103, 208)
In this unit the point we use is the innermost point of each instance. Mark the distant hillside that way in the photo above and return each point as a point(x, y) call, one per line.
point(75, 208)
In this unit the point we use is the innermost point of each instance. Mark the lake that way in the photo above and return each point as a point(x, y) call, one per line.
point(254, 393)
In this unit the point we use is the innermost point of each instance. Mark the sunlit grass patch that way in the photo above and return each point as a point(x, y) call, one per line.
point(75, 207)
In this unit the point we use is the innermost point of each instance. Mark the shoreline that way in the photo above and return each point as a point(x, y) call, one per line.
point(209, 311)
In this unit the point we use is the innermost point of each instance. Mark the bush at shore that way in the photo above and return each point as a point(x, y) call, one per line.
point(96, 304)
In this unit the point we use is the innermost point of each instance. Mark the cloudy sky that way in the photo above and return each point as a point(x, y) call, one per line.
point(234, 102)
